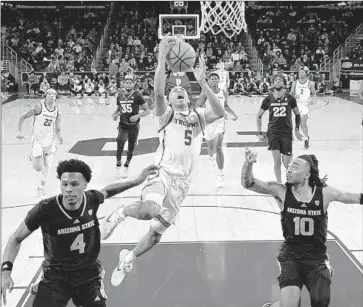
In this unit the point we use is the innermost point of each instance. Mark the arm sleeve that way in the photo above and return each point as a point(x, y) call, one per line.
point(265, 103)
point(36, 216)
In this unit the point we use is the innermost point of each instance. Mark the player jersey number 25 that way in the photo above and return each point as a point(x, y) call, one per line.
point(279, 111)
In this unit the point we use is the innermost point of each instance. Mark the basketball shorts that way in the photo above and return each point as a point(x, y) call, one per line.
point(297, 269)
point(39, 150)
point(304, 108)
point(84, 286)
point(282, 143)
point(129, 134)
point(168, 191)
point(214, 128)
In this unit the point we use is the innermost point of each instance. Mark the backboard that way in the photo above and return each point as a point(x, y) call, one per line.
point(185, 25)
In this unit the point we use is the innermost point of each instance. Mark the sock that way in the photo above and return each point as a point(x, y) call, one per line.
point(130, 258)
point(127, 164)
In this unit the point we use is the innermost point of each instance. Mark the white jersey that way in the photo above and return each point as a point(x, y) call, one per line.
point(221, 98)
point(302, 90)
point(222, 78)
point(44, 126)
point(181, 137)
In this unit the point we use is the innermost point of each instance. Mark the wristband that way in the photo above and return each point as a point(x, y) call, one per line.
point(6, 266)
point(361, 198)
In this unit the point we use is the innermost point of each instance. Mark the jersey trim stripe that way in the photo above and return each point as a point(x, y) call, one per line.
point(312, 196)
point(65, 213)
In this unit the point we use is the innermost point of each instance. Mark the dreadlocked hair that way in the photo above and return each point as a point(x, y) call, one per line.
point(314, 179)
point(74, 166)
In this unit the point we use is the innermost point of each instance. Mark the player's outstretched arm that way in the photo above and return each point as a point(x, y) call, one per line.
point(333, 194)
point(201, 100)
point(217, 110)
point(119, 187)
point(159, 80)
point(249, 182)
point(227, 108)
point(10, 253)
point(36, 110)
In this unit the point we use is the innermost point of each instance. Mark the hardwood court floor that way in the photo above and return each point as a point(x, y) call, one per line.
point(208, 214)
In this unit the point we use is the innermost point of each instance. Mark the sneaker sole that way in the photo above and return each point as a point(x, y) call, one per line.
point(109, 233)
point(121, 257)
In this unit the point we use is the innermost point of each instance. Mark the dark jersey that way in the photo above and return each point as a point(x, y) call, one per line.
point(71, 239)
point(129, 103)
point(279, 113)
point(304, 224)
point(178, 79)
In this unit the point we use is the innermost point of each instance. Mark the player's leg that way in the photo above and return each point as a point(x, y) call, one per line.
point(37, 157)
point(89, 287)
point(51, 290)
point(47, 160)
point(305, 128)
point(177, 191)
point(286, 150)
point(153, 194)
point(209, 137)
point(290, 283)
point(317, 280)
point(121, 140)
point(274, 145)
point(218, 143)
point(132, 141)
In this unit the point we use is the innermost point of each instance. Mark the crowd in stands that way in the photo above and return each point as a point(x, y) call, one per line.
point(53, 40)
point(293, 37)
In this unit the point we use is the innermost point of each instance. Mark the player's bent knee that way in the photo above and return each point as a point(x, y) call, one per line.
point(159, 225)
point(149, 209)
point(290, 296)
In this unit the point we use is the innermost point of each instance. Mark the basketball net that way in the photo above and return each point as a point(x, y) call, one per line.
point(223, 16)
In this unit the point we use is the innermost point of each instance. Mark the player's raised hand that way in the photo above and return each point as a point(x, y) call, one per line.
point(250, 156)
point(7, 283)
point(150, 170)
point(199, 72)
point(165, 45)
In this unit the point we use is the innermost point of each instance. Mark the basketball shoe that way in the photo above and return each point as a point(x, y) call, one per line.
point(110, 223)
point(121, 270)
point(267, 305)
point(125, 172)
point(118, 172)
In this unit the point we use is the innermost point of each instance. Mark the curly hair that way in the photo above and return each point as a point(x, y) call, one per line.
point(314, 179)
point(74, 166)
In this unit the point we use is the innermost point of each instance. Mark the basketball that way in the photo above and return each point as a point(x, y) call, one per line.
point(181, 57)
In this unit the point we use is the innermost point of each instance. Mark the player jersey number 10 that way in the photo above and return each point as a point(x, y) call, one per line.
point(304, 226)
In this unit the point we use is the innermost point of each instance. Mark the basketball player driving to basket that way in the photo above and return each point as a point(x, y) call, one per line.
point(180, 131)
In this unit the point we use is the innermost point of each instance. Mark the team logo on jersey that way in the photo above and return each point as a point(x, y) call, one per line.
point(317, 203)
point(90, 212)
point(303, 206)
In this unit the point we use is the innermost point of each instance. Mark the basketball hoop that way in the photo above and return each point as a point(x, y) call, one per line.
point(223, 16)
